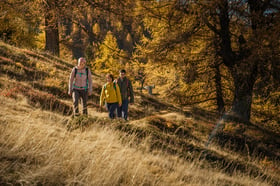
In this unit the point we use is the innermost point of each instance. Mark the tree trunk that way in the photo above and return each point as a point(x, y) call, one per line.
point(243, 71)
point(51, 28)
point(245, 74)
point(244, 81)
point(77, 43)
point(52, 37)
point(67, 28)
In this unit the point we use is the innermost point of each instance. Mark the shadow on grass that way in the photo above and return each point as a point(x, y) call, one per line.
point(6, 52)
point(20, 72)
point(180, 145)
point(57, 62)
point(39, 99)
point(51, 89)
point(47, 102)
point(247, 145)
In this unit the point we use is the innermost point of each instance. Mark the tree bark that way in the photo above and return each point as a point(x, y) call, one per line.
point(245, 73)
point(51, 28)
point(52, 37)
point(77, 44)
point(242, 68)
point(244, 80)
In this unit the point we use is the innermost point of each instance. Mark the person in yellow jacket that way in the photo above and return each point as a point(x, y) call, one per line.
point(110, 93)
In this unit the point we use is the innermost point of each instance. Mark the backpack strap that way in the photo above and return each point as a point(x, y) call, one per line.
point(87, 77)
point(76, 71)
point(114, 85)
point(87, 72)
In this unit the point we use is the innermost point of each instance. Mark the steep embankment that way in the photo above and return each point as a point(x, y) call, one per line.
point(160, 145)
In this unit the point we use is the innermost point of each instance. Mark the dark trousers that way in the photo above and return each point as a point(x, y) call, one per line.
point(122, 110)
point(77, 95)
point(111, 107)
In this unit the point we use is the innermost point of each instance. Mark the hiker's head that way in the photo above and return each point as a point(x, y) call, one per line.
point(81, 62)
point(109, 78)
point(122, 73)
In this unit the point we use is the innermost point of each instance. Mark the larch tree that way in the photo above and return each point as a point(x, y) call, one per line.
point(240, 30)
point(18, 25)
point(109, 57)
point(243, 48)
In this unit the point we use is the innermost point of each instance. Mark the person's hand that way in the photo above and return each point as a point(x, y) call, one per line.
point(89, 93)
point(70, 93)
point(120, 104)
point(100, 109)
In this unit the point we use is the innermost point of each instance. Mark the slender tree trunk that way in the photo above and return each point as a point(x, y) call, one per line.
point(142, 84)
point(67, 27)
point(51, 28)
point(77, 44)
point(52, 37)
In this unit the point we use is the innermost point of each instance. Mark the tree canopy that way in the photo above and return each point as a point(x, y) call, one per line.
point(223, 52)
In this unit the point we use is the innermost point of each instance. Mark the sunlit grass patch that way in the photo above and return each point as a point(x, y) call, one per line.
point(38, 99)
point(80, 122)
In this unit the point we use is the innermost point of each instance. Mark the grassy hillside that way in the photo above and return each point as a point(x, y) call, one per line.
point(40, 143)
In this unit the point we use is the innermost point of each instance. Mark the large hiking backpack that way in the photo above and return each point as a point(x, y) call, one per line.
point(76, 72)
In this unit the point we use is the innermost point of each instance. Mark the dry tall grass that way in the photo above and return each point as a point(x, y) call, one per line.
point(37, 149)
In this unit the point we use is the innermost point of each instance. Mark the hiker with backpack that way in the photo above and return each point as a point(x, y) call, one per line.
point(126, 93)
point(80, 85)
point(110, 93)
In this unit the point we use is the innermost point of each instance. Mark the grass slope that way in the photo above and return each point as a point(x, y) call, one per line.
point(40, 143)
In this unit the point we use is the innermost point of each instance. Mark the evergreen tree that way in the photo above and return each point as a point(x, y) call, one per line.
point(109, 57)
point(18, 25)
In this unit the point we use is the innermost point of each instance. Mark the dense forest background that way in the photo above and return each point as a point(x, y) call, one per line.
point(212, 117)
point(222, 55)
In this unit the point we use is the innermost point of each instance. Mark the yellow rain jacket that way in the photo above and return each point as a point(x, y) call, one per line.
point(110, 94)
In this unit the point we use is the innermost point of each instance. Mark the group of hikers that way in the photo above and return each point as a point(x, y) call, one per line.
point(115, 93)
